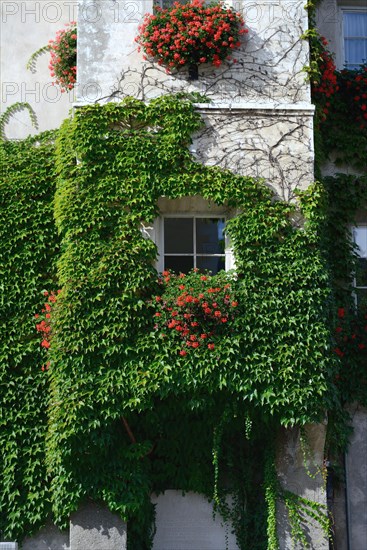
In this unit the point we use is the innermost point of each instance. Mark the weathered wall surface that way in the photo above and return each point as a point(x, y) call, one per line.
point(301, 473)
point(49, 538)
point(96, 528)
point(271, 143)
point(26, 26)
point(260, 119)
point(269, 64)
point(92, 527)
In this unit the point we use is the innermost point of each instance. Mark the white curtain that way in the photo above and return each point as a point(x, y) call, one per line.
point(355, 38)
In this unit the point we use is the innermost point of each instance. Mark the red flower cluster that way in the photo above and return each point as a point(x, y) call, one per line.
point(63, 57)
point(350, 334)
point(354, 87)
point(192, 33)
point(327, 84)
point(44, 326)
point(194, 311)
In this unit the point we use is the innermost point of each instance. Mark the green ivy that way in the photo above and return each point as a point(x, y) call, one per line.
point(107, 362)
point(127, 414)
point(28, 250)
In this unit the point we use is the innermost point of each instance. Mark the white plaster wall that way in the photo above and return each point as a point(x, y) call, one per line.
point(25, 26)
point(270, 60)
point(260, 120)
point(275, 144)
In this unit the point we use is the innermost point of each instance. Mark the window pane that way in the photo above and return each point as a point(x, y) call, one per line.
point(212, 264)
point(361, 297)
point(361, 273)
point(178, 236)
point(209, 236)
point(179, 263)
point(360, 238)
point(355, 51)
point(355, 24)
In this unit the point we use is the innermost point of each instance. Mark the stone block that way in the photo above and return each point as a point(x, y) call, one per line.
point(356, 479)
point(94, 527)
point(186, 522)
point(300, 471)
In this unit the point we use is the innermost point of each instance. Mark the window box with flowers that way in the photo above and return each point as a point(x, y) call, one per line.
point(63, 57)
point(191, 34)
point(63, 53)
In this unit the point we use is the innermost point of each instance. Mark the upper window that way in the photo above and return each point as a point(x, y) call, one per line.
point(193, 242)
point(360, 281)
point(355, 38)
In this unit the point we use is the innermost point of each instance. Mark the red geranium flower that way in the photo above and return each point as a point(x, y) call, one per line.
point(192, 33)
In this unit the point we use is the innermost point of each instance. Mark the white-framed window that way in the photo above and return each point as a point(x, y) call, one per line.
point(354, 26)
point(192, 241)
point(360, 278)
point(190, 233)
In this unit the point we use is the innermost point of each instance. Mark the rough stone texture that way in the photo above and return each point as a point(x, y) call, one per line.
point(26, 26)
point(260, 121)
point(185, 522)
point(274, 144)
point(49, 538)
point(94, 527)
point(269, 64)
point(356, 479)
point(295, 477)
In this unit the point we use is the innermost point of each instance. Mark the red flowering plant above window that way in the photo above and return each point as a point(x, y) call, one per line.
point(322, 73)
point(63, 57)
point(195, 310)
point(191, 34)
point(335, 91)
point(353, 92)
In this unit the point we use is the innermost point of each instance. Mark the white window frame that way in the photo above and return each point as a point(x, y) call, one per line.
point(357, 287)
point(159, 231)
point(355, 8)
point(189, 206)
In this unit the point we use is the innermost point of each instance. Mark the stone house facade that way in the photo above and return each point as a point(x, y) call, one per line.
point(259, 122)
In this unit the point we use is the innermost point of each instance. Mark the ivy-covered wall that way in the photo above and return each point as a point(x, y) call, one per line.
point(117, 411)
point(119, 391)
point(28, 253)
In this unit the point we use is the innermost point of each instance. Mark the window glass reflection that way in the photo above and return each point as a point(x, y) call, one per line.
point(178, 236)
point(210, 236)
